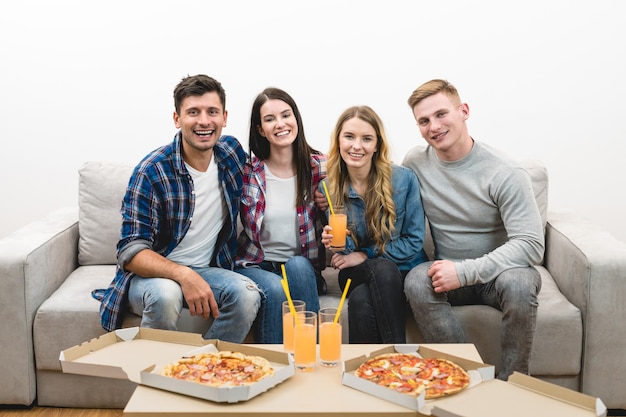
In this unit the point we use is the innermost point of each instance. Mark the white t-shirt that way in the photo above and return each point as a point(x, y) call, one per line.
point(209, 215)
point(279, 230)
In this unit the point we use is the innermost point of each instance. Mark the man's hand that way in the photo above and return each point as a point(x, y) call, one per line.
point(197, 292)
point(320, 200)
point(444, 276)
point(198, 295)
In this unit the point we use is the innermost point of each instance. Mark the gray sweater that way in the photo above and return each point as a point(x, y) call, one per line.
point(482, 212)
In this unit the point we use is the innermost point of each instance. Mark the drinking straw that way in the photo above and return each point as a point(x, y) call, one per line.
point(292, 309)
point(343, 298)
point(287, 292)
point(330, 205)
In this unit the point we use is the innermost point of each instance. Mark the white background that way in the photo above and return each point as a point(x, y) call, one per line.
point(86, 80)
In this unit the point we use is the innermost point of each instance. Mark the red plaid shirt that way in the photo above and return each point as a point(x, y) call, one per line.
point(252, 209)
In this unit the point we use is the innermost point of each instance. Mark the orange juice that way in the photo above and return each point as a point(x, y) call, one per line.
point(288, 323)
point(304, 341)
point(330, 343)
point(288, 332)
point(338, 221)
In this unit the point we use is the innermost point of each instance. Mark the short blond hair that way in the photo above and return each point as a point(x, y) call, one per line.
point(430, 88)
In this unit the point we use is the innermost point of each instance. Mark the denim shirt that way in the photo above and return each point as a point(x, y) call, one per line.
point(406, 247)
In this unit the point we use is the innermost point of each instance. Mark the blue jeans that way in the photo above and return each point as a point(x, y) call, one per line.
point(376, 302)
point(302, 280)
point(513, 292)
point(159, 302)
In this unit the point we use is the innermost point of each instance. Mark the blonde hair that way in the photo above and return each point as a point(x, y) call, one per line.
point(432, 87)
point(380, 213)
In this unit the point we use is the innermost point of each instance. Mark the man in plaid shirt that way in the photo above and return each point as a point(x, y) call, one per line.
point(178, 235)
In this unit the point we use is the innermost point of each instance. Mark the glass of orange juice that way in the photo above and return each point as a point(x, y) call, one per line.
point(338, 221)
point(289, 322)
point(330, 337)
point(305, 341)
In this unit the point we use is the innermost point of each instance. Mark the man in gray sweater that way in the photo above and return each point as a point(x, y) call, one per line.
point(486, 228)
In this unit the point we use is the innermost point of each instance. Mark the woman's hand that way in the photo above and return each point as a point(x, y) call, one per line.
point(327, 237)
point(341, 261)
point(320, 200)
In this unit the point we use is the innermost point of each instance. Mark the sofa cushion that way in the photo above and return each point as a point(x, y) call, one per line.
point(70, 315)
point(560, 327)
point(101, 189)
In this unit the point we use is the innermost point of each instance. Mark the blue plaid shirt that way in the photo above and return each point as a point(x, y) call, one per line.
point(157, 211)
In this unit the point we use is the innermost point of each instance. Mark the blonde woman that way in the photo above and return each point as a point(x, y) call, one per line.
point(385, 226)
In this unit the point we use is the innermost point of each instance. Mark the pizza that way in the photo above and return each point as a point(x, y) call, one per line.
point(411, 374)
point(220, 369)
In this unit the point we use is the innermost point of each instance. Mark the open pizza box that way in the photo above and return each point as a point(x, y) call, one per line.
point(486, 396)
point(138, 354)
point(477, 371)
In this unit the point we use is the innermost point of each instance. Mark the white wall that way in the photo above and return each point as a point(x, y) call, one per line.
point(82, 81)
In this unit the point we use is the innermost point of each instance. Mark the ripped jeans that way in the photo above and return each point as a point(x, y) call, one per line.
point(302, 279)
point(159, 302)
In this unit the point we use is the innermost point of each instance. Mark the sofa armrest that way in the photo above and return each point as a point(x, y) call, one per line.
point(589, 266)
point(34, 261)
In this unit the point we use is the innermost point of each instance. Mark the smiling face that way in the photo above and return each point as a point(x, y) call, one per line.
point(201, 119)
point(441, 121)
point(278, 123)
point(357, 144)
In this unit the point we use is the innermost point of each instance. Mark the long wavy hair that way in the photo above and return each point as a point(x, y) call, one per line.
point(380, 213)
point(302, 151)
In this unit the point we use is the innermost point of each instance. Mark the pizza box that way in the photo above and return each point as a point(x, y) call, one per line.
point(138, 354)
point(486, 396)
point(477, 371)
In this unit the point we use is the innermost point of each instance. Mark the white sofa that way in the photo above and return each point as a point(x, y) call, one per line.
point(49, 268)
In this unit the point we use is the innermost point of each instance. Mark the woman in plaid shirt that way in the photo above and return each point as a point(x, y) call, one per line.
point(281, 224)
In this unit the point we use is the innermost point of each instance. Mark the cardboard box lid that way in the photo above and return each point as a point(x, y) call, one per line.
point(520, 396)
point(124, 353)
point(138, 354)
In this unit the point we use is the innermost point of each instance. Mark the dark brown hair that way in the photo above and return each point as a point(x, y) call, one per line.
point(197, 85)
point(302, 151)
